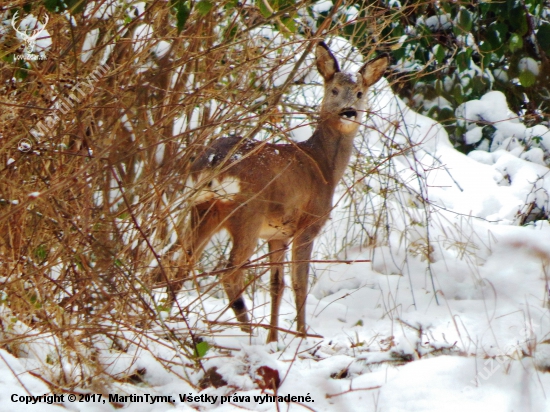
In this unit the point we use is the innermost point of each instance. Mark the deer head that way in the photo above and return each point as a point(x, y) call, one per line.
point(345, 97)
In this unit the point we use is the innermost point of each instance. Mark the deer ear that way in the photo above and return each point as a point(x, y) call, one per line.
point(326, 62)
point(374, 69)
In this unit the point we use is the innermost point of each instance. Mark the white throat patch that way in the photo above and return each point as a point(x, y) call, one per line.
point(204, 188)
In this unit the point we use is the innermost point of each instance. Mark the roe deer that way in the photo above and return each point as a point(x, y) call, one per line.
point(278, 192)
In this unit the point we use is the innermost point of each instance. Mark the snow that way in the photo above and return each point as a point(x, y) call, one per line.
point(141, 37)
point(159, 153)
point(161, 48)
point(501, 75)
point(323, 6)
point(101, 9)
point(411, 216)
point(436, 23)
point(300, 128)
point(89, 44)
point(473, 135)
point(528, 64)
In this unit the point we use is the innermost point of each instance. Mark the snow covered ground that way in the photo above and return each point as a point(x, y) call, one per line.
point(389, 343)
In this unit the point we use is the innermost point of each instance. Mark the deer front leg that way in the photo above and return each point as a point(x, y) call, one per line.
point(301, 255)
point(277, 250)
point(204, 223)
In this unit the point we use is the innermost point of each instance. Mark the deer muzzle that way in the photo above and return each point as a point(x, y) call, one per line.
point(348, 113)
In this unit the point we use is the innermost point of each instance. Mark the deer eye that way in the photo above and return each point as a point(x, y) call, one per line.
point(335, 92)
point(359, 95)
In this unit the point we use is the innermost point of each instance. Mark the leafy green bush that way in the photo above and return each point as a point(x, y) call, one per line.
point(447, 53)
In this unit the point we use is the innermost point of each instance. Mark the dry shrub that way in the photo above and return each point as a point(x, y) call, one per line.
point(95, 155)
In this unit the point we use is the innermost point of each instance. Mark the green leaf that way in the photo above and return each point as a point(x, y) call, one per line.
point(439, 87)
point(445, 6)
point(439, 53)
point(518, 20)
point(201, 348)
point(465, 20)
point(124, 215)
point(433, 112)
point(458, 93)
point(496, 36)
point(41, 253)
point(515, 43)
point(57, 6)
point(527, 79)
point(357, 33)
point(204, 7)
point(488, 132)
point(531, 5)
point(268, 7)
point(263, 8)
point(182, 13)
point(22, 73)
point(54, 6)
point(486, 60)
point(463, 59)
point(9, 58)
point(230, 33)
point(485, 47)
point(543, 37)
point(446, 114)
point(480, 84)
point(290, 24)
point(35, 301)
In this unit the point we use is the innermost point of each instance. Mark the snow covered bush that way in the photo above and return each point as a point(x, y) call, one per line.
point(515, 151)
point(447, 53)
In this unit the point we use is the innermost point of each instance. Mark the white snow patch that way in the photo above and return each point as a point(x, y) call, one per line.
point(89, 44)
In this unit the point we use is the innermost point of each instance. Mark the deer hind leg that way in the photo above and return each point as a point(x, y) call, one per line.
point(244, 232)
point(301, 255)
point(277, 250)
point(206, 219)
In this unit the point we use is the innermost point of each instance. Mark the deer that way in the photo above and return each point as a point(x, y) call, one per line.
point(280, 193)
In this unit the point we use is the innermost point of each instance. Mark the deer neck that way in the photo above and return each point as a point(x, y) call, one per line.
point(331, 147)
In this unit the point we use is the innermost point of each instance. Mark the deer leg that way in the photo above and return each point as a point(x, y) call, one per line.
point(277, 284)
point(206, 220)
point(204, 223)
point(233, 280)
point(244, 230)
point(301, 255)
